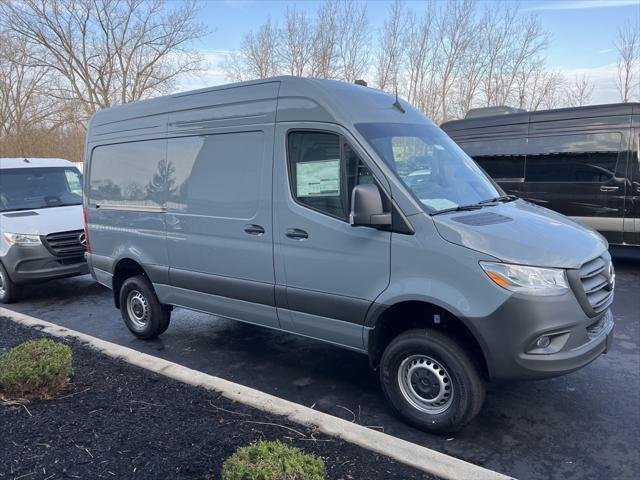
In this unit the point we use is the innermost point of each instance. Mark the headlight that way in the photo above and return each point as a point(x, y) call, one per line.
point(527, 280)
point(22, 239)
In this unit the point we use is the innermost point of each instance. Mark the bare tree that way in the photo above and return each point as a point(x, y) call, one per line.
point(456, 25)
point(538, 88)
point(389, 58)
point(515, 44)
point(325, 41)
point(107, 51)
point(578, 93)
point(353, 40)
point(296, 52)
point(259, 51)
point(628, 46)
point(421, 54)
point(23, 103)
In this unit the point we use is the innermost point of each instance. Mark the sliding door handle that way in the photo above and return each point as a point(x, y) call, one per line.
point(253, 229)
point(296, 234)
point(606, 188)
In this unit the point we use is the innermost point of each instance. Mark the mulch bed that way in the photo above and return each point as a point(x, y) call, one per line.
point(118, 421)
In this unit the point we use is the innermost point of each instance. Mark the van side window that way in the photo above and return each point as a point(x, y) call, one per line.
point(323, 169)
point(129, 174)
point(503, 159)
point(573, 158)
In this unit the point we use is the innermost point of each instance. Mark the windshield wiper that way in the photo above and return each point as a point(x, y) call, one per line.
point(459, 208)
point(502, 198)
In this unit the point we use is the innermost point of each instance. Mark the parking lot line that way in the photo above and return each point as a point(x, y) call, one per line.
point(422, 458)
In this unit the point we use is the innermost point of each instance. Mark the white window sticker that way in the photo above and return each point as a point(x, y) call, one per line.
point(318, 179)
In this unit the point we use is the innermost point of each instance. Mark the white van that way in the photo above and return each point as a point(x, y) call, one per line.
point(41, 227)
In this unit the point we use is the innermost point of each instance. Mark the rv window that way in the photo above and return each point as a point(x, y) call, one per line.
point(573, 158)
point(502, 159)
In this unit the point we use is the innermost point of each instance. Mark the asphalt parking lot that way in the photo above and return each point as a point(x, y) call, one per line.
point(582, 425)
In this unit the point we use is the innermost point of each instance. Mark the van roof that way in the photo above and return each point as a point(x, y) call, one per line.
point(298, 99)
point(33, 162)
point(569, 113)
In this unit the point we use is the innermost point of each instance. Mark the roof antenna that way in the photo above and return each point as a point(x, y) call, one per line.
point(397, 102)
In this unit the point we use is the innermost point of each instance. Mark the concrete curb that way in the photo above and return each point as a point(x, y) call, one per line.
point(419, 457)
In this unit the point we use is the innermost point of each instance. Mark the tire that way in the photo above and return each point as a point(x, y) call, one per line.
point(9, 291)
point(141, 311)
point(435, 367)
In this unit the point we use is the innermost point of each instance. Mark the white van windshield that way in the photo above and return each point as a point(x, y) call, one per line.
point(33, 188)
point(430, 164)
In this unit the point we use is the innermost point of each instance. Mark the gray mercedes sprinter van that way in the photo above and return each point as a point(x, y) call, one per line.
point(339, 213)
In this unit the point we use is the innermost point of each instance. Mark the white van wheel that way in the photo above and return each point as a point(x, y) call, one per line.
point(8, 289)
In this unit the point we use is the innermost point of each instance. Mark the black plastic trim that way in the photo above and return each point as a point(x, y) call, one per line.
point(236, 288)
point(338, 307)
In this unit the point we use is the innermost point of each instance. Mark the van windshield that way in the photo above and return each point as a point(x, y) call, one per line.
point(430, 164)
point(33, 188)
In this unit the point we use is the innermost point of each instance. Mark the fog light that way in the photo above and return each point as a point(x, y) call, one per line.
point(543, 342)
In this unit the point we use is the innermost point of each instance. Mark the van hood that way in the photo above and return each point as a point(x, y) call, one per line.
point(42, 221)
point(522, 233)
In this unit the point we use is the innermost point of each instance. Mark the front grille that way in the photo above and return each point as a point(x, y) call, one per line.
point(596, 277)
point(65, 244)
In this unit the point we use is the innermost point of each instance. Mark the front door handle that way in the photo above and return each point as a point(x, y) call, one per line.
point(296, 234)
point(605, 188)
point(253, 229)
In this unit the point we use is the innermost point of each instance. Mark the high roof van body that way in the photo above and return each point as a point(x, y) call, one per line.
point(342, 214)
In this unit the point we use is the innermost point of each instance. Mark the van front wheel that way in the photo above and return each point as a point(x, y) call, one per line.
point(141, 311)
point(431, 381)
point(8, 289)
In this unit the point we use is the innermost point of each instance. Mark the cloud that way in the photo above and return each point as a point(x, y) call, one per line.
point(605, 50)
point(603, 79)
point(582, 4)
point(212, 74)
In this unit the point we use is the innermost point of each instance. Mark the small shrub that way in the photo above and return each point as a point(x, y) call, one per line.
point(266, 460)
point(35, 369)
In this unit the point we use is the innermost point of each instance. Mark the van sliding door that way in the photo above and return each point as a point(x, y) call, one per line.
point(219, 225)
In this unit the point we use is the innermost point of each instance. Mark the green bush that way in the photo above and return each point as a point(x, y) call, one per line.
point(265, 460)
point(36, 369)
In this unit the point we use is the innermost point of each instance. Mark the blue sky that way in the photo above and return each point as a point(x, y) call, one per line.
point(582, 32)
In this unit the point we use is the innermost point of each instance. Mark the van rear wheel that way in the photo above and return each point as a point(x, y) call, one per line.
point(8, 289)
point(141, 311)
point(431, 381)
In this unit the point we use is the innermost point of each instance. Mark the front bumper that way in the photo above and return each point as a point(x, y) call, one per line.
point(26, 264)
point(508, 337)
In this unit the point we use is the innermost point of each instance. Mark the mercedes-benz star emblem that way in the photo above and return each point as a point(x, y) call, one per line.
point(83, 239)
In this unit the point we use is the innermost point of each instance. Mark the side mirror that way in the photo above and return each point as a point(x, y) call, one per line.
point(366, 207)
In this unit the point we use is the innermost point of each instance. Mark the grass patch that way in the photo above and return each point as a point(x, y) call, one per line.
point(267, 460)
point(35, 369)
